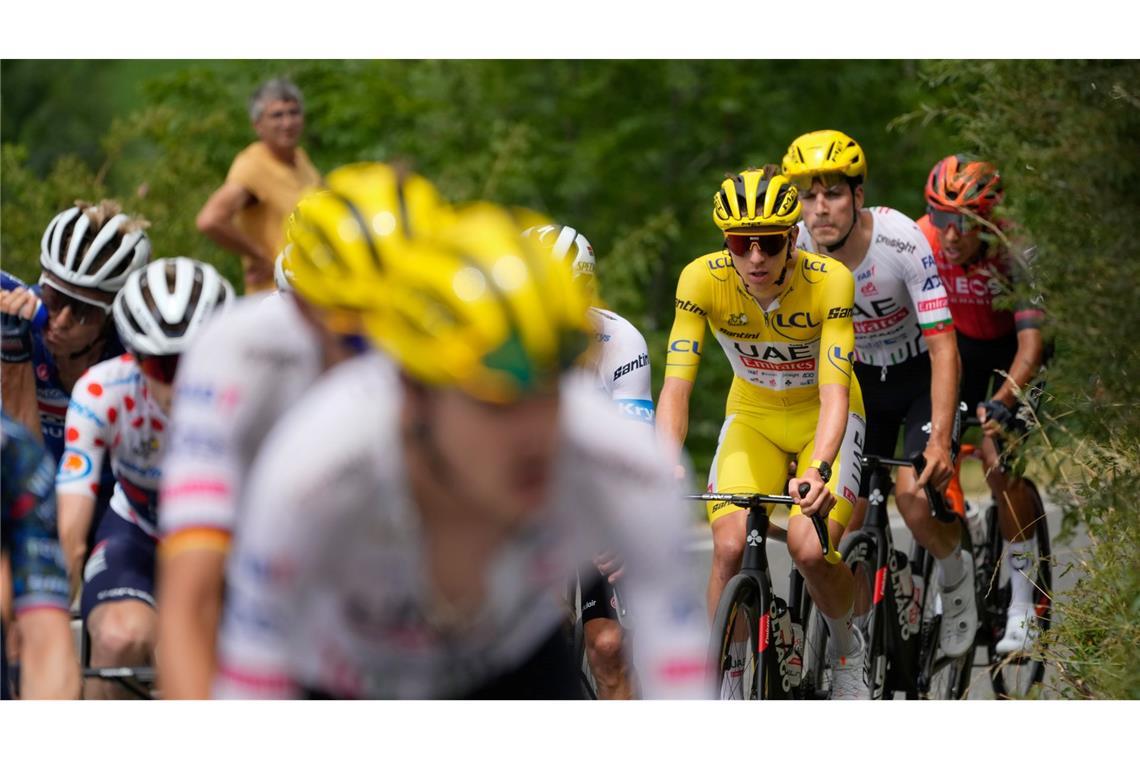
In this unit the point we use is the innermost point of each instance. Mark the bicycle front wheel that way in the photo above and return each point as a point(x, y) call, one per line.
point(736, 651)
point(860, 552)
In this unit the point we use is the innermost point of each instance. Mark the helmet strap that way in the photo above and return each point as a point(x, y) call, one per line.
point(784, 271)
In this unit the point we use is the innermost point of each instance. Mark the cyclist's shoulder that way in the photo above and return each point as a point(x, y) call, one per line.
point(896, 231)
point(710, 266)
point(615, 325)
point(110, 377)
point(255, 326)
point(819, 271)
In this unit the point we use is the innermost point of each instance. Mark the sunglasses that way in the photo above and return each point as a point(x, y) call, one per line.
point(82, 310)
point(771, 243)
point(803, 182)
point(160, 368)
point(943, 219)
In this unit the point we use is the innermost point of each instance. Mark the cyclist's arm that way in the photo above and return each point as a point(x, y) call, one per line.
point(1030, 350)
point(216, 221)
point(87, 432)
point(190, 594)
point(630, 380)
point(945, 375)
point(683, 357)
point(48, 667)
point(17, 380)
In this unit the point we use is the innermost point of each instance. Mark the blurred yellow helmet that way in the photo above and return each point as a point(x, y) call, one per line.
point(341, 234)
point(756, 198)
point(482, 310)
point(825, 152)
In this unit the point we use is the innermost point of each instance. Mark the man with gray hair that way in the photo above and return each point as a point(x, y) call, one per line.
point(247, 213)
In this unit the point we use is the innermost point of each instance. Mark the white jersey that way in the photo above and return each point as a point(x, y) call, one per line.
point(245, 370)
point(622, 364)
point(326, 587)
point(899, 297)
point(111, 412)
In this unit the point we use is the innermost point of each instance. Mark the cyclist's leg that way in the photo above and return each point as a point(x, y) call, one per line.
point(938, 538)
point(118, 601)
point(605, 645)
point(884, 418)
point(832, 587)
point(746, 462)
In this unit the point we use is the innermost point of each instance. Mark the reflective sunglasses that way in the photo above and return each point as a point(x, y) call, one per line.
point(803, 182)
point(771, 243)
point(160, 368)
point(943, 219)
point(82, 310)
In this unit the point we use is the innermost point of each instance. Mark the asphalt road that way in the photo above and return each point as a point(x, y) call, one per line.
point(780, 564)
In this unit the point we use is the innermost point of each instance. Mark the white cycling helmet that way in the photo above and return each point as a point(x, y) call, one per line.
point(162, 306)
point(80, 251)
point(566, 243)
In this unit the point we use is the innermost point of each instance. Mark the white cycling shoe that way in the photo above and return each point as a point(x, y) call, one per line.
point(1020, 631)
point(847, 674)
point(959, 613)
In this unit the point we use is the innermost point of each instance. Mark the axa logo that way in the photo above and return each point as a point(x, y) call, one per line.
point(932, 282)
point(685, 346)
point(801, 319)
point(688, 306)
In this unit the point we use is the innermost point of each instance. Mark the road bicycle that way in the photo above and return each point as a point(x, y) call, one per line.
point(755, 649)
point(1012, 675)
point(897, 604)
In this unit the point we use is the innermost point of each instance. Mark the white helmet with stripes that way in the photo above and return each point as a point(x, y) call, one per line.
point(566, 244)
point(163, 306)
point(94, 246)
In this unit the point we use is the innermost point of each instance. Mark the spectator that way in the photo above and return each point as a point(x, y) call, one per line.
point(247, 213)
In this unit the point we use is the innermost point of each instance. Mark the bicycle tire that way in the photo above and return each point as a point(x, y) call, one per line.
point(1015, 677)
point(940, 677)
point(738, 658)
point(860, 551)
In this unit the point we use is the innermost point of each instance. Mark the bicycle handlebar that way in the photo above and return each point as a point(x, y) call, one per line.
point(938, 507)
point(748, 501)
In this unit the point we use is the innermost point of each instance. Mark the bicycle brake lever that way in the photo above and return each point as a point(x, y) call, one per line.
point(820, 525)
point(938, 508)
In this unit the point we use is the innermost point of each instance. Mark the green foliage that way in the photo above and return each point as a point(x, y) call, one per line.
point(629, 152)
point(1066, 136)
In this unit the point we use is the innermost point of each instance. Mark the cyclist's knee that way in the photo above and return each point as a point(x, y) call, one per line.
point(805, 549)
point(121, 633)
point(604, 643)
point(728, 548)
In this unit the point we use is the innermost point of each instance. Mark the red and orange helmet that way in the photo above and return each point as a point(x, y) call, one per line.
point(961, 184)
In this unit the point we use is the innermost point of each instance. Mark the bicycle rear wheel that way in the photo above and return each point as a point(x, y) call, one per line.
point(860, 552)
point(737, 650)
point(1014, 676)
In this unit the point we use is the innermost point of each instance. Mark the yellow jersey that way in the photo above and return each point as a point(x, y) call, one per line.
point(779, 355)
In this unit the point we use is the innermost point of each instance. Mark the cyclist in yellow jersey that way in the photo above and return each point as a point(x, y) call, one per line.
point(784, 319)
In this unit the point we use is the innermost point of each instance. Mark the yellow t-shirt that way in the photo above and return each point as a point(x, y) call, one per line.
point(277, 187)
point(780, 356)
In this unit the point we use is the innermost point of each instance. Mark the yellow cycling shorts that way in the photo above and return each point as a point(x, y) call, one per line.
point(756, 446)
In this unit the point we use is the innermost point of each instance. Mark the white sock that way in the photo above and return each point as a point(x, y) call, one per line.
point(1021, 559)
point(843, 640)
point(953, 568)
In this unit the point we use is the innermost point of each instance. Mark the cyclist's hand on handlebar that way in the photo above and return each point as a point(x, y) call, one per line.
point(939, 467)
point(994, 416)
point(609, 565)
point(818, 499)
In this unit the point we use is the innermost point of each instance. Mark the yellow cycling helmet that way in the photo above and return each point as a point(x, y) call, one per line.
point(340, 234)
point(482, 310)
point(827, 151)
point(756, 198)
